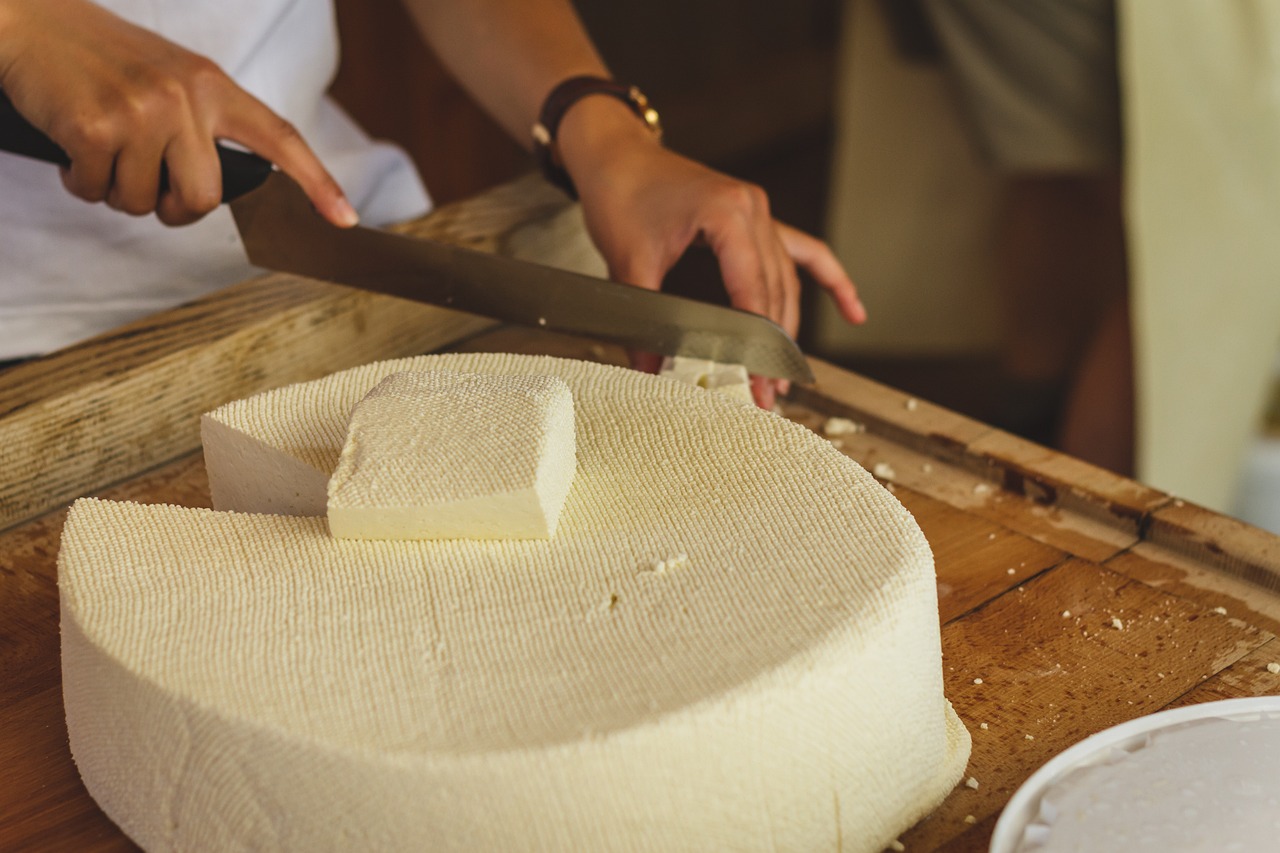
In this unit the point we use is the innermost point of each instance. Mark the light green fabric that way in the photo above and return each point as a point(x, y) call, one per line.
point(1201, 81)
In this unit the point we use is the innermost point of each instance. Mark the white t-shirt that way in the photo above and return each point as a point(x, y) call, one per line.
point(69, 270)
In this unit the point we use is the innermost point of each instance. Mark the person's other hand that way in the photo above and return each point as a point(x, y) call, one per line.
point(121, 101)
point(645, 205)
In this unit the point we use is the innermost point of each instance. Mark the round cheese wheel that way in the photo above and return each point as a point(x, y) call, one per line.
point(731, 643)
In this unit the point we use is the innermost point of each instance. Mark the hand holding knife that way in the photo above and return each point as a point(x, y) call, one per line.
point(282, 231)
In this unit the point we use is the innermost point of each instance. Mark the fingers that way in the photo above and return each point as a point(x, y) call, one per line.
point(645, 362)
point(252, 124)
point(195, 180)
point(739, 231)
point(815, 256)
point(126, 104)
point(735, 238)
point(135, 185)
point(646, 199)
point(764, 390)
point(90, 175)
point(790, 287)
point(758, 272)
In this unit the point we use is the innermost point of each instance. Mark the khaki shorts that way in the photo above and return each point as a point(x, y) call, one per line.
point(1037, 79)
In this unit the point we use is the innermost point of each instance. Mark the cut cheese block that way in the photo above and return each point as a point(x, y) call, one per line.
point(732, 643)
point(443, 455)
point(728, 379)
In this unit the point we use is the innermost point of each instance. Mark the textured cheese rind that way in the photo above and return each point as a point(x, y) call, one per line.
point(446, 455)
point(253, 680)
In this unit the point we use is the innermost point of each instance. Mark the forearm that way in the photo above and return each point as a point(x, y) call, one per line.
point(508, 53)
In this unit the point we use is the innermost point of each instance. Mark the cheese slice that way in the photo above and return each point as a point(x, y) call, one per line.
point(730, 380)
point(442, 455)
point(732, 642)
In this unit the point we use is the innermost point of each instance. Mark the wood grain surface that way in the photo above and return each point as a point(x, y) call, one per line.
point(1070, 599)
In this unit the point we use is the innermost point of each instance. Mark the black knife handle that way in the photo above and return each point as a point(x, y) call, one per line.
point(242, 171)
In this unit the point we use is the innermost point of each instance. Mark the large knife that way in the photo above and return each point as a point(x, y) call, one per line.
point(282, 231)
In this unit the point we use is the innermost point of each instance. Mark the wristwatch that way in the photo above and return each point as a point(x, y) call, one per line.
point(562, 97)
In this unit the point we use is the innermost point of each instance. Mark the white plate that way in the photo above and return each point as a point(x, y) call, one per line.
point(1025, 804)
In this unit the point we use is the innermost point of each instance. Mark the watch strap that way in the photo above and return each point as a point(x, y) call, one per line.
point(561, 98)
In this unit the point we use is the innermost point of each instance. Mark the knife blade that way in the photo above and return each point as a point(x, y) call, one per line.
point(282, 231)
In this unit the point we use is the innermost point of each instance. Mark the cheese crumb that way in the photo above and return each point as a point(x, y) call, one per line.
point(1273, 668)
point(971, 783)
point(982, 489)
point(970, 819)
point(841, 426)
point(884, 471)
point(1221, 611)
point(977, 681)
point(661, 567)
point(912, 404)
point(1029, 737)
point(982, 726)
point(1117, 624)
point(1066, 614)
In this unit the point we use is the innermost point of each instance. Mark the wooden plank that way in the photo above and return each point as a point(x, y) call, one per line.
point(1040, 680)
point(124, 401)
point(1249, 676)
point(1236, 548)
point(1050, 497)
point(942, 471)
point(906, 421)
point(1054, 479)
point(976, 559)
point(1018, 466)
point(1181, 574)
point(46, 806)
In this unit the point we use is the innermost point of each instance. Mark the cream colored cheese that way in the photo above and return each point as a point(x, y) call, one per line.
point(443, 455)
point(237, 680)
point(728, 379)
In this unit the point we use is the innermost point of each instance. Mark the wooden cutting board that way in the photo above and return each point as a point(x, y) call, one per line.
point(1070, 599)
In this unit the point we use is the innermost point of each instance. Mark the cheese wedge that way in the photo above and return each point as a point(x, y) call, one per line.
point(732, 642)
point(442, 455)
